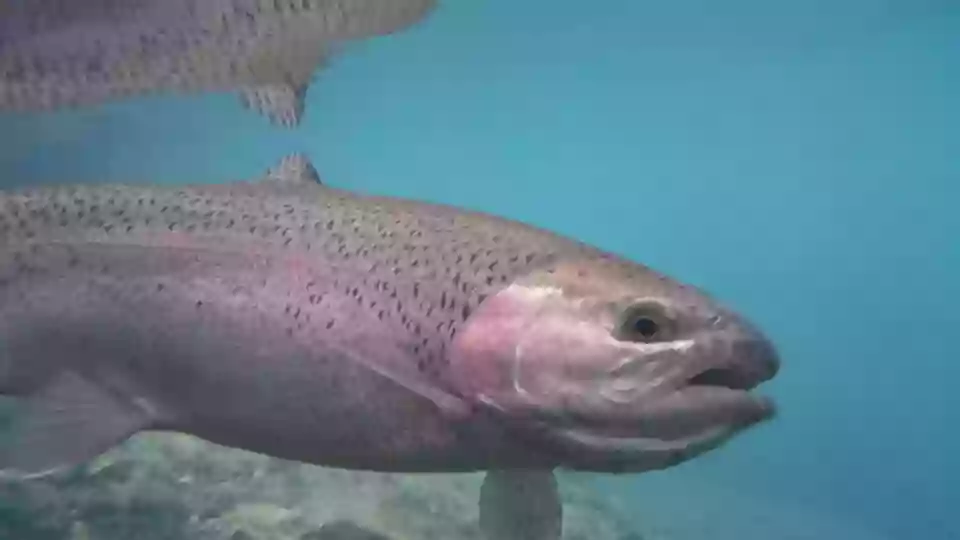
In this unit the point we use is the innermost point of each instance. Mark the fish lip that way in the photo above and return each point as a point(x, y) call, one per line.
point(692, 408)
point(719, 392)
point(596, 449)
point(626, 446)
point(687, 413)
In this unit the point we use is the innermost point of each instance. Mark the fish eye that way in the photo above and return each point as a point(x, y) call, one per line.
point(644, 322)
point(645, 327)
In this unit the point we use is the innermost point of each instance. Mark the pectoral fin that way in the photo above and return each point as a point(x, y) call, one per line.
point(520, 505)
point(67, 422)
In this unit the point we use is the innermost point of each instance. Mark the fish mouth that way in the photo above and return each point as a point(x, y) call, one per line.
point(688, 417)
point(703, 411)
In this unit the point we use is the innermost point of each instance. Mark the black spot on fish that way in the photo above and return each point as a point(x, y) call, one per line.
point(330, 324)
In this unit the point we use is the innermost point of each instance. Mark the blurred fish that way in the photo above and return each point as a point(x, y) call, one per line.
point(308, 323)
point(67, 53)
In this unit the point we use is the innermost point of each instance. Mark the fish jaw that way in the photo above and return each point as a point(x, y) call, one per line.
point(549, 355)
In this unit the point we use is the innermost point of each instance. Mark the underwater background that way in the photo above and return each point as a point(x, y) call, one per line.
point(800, 160)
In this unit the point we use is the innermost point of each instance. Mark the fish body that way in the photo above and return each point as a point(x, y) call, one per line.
point(260, 316)
point(309, 323)
point(56, 54)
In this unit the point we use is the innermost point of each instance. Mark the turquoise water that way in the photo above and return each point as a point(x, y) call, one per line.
point(800, 160)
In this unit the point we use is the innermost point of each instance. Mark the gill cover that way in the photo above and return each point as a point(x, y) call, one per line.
point(552, 343)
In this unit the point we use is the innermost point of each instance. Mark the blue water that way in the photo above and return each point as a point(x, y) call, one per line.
point(799, 159)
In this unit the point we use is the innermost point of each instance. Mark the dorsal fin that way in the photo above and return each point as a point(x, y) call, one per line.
point(294, 170)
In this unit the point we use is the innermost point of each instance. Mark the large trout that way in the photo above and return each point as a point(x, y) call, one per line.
point(305, 322)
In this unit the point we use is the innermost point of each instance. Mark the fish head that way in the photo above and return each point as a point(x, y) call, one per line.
point(613, 367)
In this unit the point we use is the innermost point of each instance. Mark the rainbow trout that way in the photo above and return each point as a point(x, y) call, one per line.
point(65, 53)
point(305, 322)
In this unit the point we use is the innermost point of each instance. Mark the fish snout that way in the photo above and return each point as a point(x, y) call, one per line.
point(759, 357)
point(732, 352)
